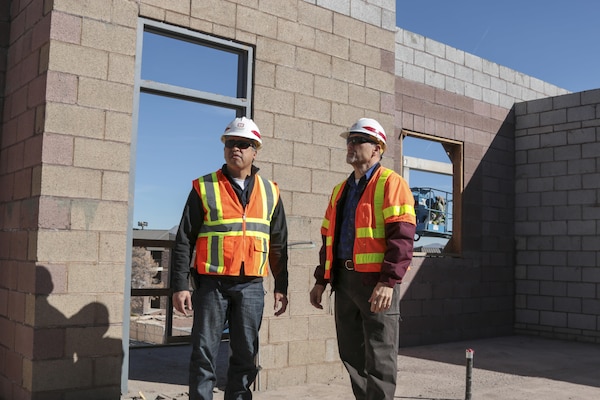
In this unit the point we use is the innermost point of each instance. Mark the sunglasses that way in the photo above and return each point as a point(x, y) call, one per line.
point(240, 144)
point(358, 140)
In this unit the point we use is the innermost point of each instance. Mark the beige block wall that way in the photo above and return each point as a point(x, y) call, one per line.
point(70, 98)
point(66, 138)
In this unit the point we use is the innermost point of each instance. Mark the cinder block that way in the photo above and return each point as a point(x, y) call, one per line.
point(276, 52)
point(51, 245)
point(366, 55)
point(78, 60)
point(306, 352)
point(347, 27)
point(343, 115)
point(104, 36)
point(273, 356)
point(379, 80)
point(107, 370)
point(183, 20)
point(292, 80)
point(66, 27)
point(312, 108)
point(314, 62)
point(412, 40)
point(74, 120)
point(370, 13)
point(324, 182)
point(101, 155)
point(54, 213)
point(308, 204)
point(115, 186)
point(215, 11)
point(105, 95)
point(283, 330)
point(293, 129)
point(311, 156)
point(322, 327)
point(380, 38)
point(414, 73)
point(279, 377)
point(276, 151)
point(121, 68)
point(582, 113)
point(331, 89)
point(275, 101)
point(125, 13)
point(80, 282)
point(296, 34)
point(149, 11)
point(246, 18)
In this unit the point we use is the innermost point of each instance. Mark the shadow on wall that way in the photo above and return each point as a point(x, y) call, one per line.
point(88, 359)
point(470, 295)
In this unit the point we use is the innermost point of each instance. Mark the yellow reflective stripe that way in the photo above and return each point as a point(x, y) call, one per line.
point(369, 258)
point(270, 198)
point(369, 232)
point(209, 187)
point(336, 190)
point(399, 210)
point(261, 188)
point(215, 252)
point(263, 260)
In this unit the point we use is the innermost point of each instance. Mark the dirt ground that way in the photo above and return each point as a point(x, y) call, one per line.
point(504, 368)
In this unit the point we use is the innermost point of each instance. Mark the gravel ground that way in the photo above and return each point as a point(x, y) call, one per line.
point(504, 368)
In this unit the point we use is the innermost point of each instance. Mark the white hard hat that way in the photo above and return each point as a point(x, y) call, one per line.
point(368, 126)
point(243, 127)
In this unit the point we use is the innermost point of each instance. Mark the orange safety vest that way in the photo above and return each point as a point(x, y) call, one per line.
point(387, 198)
point(230, 235)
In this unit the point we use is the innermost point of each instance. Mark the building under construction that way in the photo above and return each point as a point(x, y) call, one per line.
point(523, 157)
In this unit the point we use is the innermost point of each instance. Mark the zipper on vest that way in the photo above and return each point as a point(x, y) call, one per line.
point(244, 235)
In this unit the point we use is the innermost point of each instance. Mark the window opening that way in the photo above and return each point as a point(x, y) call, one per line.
point(188, 87)
point(432, 167)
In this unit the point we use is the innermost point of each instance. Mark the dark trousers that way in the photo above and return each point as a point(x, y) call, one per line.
point(216, 301)
point(367, 342)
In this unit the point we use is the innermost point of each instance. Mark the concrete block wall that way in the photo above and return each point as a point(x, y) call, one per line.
point(320, 64)
point(450, 94)
point(64, 199)
point(437, 65)
point(65, 171)
point(557, 217)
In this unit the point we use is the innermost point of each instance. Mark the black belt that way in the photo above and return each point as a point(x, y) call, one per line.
point(348, 264)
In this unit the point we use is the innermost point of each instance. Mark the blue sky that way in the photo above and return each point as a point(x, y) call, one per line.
point(557, 41)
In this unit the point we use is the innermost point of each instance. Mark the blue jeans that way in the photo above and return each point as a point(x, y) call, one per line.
point(216, 301)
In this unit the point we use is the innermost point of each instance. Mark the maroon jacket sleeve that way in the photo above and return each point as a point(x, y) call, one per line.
point(398, 254)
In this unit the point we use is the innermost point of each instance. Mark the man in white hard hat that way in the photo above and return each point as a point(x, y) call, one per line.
point(368, 234)
point(235, 221)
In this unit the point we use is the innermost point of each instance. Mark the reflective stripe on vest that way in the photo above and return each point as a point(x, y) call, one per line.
point(249, 226)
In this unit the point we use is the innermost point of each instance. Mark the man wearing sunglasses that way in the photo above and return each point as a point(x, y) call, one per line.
point(235, 221)
point(368, 234)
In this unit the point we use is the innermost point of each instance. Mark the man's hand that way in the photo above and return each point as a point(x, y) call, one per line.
point(182, 301)
point(280, 298)
point(316, 296)
point(381, 298)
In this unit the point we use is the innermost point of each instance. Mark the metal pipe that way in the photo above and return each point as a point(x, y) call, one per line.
point(469, 356)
